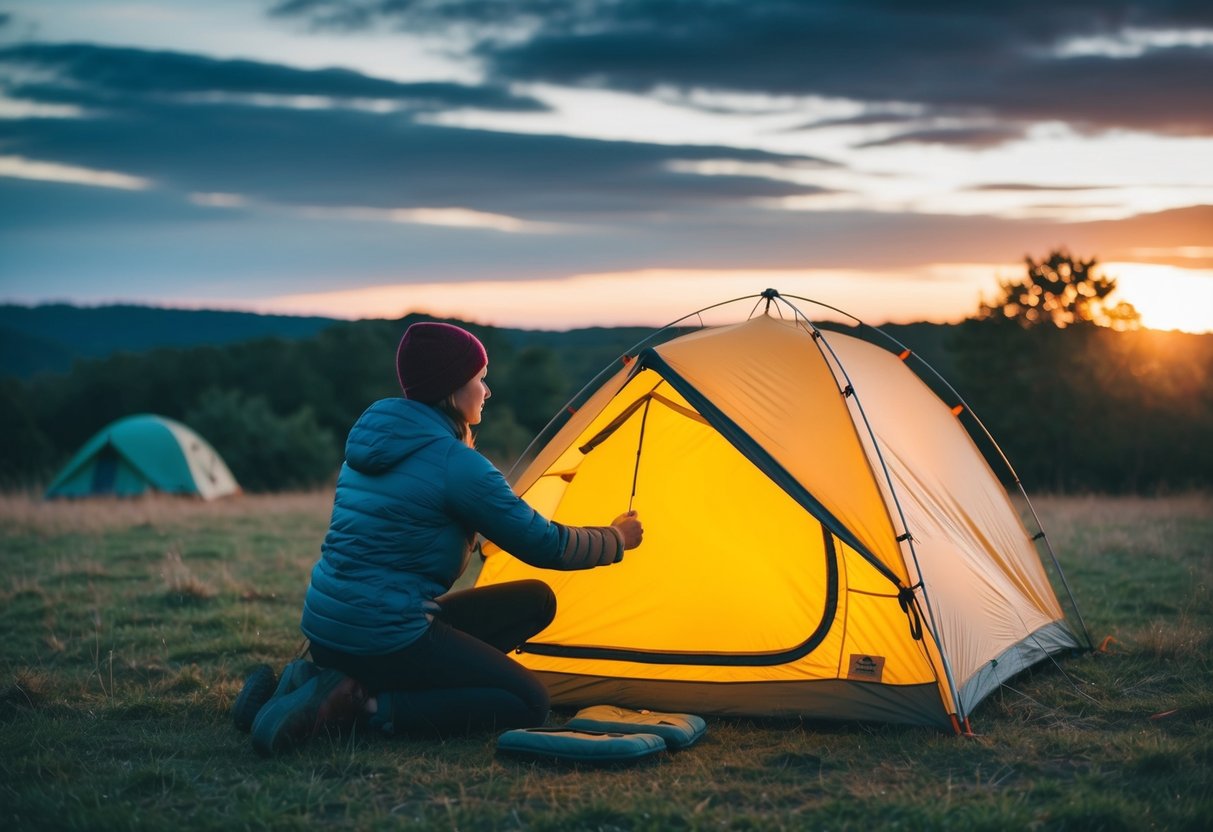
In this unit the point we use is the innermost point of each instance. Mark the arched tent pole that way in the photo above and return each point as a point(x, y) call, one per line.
point(579, 398)
point(905, 536)
point(986, 432)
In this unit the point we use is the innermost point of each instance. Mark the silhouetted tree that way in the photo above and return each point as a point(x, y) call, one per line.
point(1028, 362)
point(1060, 290)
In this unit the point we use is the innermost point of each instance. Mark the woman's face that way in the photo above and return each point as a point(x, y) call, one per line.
point(469, 399)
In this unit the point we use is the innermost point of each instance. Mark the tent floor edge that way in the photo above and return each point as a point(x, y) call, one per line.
point(824, 699)
point(1034, 648)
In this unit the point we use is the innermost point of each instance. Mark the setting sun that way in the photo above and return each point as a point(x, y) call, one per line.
point(1167, 297)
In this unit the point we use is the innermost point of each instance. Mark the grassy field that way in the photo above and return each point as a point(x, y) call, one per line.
point(126, 629)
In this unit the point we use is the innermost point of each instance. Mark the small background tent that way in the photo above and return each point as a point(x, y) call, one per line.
point(144, 453)
point(822, 536)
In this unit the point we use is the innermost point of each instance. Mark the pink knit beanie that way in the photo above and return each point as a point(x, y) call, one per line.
point(434, 360)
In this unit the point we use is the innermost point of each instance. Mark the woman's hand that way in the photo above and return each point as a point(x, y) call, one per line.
point(629, 525)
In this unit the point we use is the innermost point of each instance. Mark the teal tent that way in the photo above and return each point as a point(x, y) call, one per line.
point(144, 453)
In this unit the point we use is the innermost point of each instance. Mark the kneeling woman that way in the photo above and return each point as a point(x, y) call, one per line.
point(394, 643)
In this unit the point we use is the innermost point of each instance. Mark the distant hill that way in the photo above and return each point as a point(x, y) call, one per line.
point(40, 339)
point(49, 338)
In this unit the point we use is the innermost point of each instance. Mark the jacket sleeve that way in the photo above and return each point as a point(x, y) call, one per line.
point(480, 498)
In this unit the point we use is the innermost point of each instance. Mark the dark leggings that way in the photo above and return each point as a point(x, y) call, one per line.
point(457, 677)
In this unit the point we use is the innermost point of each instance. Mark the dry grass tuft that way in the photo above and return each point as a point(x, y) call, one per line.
point(19, 585)
point(243, 589)
point(1179, 638)
point(187, 680)
point(29, 689)
point(180, 583)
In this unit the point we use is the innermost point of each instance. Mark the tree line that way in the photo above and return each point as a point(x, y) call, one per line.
point(1078, 397)
point(278, 410)
point(1077, 394)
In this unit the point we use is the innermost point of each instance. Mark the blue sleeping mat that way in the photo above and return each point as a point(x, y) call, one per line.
point(678, 730)
point(579, 746)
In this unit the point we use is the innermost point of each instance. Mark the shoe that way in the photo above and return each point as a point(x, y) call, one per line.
point(329, 699)
point(259, 688)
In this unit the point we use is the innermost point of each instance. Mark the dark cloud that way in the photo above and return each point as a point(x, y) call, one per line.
point(1163, 236)
point(1163, 91)
point(976, 137)
point(90, 74)
point(985, 59)
point(347, 15)
point(896, 241)
point(866, 119)
point(322, 14)
point(342, 157)
point(1025, 187)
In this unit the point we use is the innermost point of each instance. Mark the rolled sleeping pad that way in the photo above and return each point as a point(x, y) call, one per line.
point(579, 746)
point(678, 730)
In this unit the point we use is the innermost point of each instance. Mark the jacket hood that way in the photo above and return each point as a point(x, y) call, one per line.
point(390, 431)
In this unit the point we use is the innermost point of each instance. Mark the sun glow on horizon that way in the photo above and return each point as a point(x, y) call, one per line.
point(1166, 297)
point(654, 297)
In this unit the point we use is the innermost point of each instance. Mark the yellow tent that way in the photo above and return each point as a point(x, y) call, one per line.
point(822, 537)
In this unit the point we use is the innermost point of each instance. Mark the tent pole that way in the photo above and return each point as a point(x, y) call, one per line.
point(1056, 565)
point(849, 390)
point(644, 418)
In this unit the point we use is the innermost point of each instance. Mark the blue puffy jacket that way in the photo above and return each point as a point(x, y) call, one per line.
point(410, 499)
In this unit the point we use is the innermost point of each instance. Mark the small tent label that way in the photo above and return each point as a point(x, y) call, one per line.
point(866, 668)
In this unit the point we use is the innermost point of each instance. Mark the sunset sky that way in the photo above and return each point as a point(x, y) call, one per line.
point(560, 163)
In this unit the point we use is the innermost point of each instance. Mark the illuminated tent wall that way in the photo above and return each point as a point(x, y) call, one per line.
point(822, 538)
point(141, 454)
